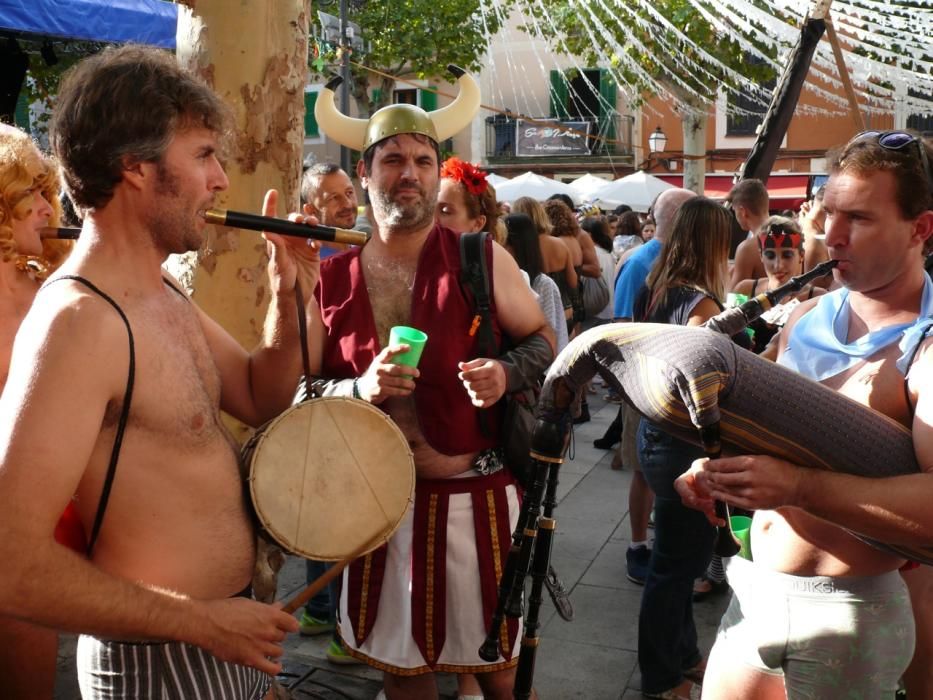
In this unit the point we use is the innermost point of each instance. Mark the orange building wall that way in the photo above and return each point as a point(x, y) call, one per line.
point(808, 136)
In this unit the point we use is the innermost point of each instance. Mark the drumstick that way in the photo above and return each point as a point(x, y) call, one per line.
point(333, 572)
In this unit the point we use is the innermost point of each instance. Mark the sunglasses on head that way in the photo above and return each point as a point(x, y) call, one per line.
point(779, 229)
point(897, 141)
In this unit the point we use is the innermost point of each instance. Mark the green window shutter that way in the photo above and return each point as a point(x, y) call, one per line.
point(559, 94)
point(607, 90)
point(428, 100)
point(21, 114)
point(311, 129)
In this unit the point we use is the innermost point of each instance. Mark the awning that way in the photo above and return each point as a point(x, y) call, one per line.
point(120, 21)
point(785, 191)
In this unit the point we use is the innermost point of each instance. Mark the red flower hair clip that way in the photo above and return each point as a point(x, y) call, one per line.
point(471, 176)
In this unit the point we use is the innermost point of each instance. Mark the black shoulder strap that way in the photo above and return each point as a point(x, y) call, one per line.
point(124, 413)
point(475, 276)
point(910, 363)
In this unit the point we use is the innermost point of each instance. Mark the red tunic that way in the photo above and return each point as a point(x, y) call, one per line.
point(443, 310)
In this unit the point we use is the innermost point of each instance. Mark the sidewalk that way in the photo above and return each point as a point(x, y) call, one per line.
point(592, 658)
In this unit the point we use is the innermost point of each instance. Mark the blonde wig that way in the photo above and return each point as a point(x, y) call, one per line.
point(23, 171)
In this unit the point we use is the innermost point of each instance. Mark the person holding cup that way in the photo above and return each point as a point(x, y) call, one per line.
point(448, 406)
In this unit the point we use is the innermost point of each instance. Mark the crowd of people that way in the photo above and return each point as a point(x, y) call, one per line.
point(137, 149)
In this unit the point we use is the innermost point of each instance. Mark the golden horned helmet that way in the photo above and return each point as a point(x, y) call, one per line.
point(360, 134)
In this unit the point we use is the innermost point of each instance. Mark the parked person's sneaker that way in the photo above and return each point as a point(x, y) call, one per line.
point(309, 626)
point(336, 654)
point(636, 564)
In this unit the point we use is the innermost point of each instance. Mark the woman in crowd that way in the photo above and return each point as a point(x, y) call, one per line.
point(647, 229)
point(29, 191)
point(466, 201)
point(684, 287)
point(556, 262)
point(598, 229)
point(628, 234)
point(522, 243)
point(780, 243)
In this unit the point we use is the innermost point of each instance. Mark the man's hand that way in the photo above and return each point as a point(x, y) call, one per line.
point(484, 380)
point(245, 632)
point(291, 257)
point(752, 482)
point(691, 485)
point(383, 378)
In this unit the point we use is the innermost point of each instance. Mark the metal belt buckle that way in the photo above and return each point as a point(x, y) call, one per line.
point(488, 462)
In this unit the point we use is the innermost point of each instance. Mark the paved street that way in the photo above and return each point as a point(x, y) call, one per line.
point(593, 657)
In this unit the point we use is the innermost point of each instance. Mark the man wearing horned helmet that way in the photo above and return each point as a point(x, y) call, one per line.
point(423, 603)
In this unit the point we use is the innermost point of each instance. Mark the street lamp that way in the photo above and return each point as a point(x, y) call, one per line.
point(657, 141)
point(656, 144)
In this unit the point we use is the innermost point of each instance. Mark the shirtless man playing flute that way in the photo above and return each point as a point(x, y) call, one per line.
point(156, 598)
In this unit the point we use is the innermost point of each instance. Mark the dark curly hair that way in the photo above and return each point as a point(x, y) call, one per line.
point(562, 219)
point(120, 106)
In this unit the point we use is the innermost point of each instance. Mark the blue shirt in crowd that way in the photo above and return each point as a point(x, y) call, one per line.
point(632, 277)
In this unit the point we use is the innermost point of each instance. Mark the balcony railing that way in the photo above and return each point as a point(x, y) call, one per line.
point(608, 136)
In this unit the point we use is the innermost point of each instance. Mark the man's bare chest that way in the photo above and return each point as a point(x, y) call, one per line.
point(389, 284)
point(877, 383)
point(177, 384)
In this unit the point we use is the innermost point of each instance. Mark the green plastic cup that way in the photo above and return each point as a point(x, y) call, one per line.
point(742, 529)
point(411, 337)
point(733, 299)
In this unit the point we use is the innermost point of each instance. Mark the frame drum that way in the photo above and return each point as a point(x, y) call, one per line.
point(330, 477)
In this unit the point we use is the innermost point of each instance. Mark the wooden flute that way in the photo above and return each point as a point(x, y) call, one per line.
point(254, 222)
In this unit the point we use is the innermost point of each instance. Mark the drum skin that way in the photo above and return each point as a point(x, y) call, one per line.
point(330, 478)
point(685, 378)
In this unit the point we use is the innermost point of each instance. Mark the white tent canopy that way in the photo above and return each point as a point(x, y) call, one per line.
point(638, 190)
point(496, 180)
point(534, 186)
point(587, 186)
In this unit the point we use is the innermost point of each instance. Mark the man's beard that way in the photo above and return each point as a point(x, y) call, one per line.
point(392, 214)
point(169, 225)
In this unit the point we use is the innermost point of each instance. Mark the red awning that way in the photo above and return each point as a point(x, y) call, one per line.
point(785, 191)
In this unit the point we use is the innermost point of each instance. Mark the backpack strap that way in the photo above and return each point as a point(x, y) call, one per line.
point(474, 275)
point(124, 412)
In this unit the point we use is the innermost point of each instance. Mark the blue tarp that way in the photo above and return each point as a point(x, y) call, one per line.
point(119, 21)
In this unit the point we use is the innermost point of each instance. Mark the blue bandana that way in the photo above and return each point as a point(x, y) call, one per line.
point(820, 335)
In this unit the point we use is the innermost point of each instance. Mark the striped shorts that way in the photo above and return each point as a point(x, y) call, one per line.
point(110, 670)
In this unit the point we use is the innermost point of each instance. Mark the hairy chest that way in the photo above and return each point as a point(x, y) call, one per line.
point(176, 393)
point(389, 284)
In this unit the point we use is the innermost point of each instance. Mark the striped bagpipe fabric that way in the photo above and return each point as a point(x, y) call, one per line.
point(684, 378)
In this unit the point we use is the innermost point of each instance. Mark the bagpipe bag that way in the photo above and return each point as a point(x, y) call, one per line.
point(684, 378)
